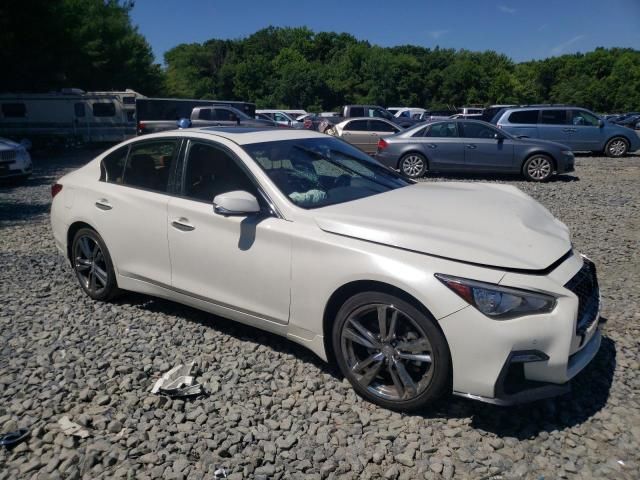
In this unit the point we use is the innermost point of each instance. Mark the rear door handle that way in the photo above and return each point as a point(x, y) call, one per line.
point(568, 129)
point(182, 224)
point(103, 204)
point(471, 146)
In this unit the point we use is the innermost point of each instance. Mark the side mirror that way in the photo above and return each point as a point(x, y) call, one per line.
point(235, 203)
point(498, 137)
point(184, 123)
point(26, 144)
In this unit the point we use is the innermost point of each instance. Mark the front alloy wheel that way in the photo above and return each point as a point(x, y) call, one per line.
point(538, 168)
point(391, 353)
point(617, 147)
point(413, 165)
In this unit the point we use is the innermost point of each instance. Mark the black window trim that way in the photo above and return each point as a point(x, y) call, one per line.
point(272, 209)
point(168, 192)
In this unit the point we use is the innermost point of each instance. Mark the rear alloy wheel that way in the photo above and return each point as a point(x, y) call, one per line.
point(392, 353)
point(538, 168)
point(92, 264)
point(616, 147)
point(413, 165)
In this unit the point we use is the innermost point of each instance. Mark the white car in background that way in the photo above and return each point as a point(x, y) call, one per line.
point(15, 161)
point(281, 118)
point(414, 289)
point(409, 112)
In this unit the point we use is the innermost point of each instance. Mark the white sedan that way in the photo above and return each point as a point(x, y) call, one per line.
point(413, 289)
point(15, 161)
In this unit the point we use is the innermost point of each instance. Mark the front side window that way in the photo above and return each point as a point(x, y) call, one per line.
point(281, 118)
point(106, 109)
point(225, 115)
point(149, 165)
point(378, 126)
point(445, 129)
point(316, 172)
point(477, 130)
point(112, 166)
point(356, 126)
point(553, 117)
point(580, 117)
point(210, 171)
point(527, 117)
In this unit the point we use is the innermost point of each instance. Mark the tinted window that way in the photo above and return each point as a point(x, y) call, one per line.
point(477, 130)
point(79, 109)
point(378, 126)
point(580, 117)
point(211, 171)
point(528, 117)
point(14, 110)
point(357, 111)
point(225, 115)
point(104, 109)
point(315, 172)
point(129, 100)
point(554, 117)
point(204, 114)
point(446, 129)
point(149, 165)
point(357, 126)
point(280, 118)
point(131, 116)
point(112, 166)
point(420, 132)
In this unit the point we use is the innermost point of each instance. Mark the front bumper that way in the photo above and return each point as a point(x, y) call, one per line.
point(527, 358)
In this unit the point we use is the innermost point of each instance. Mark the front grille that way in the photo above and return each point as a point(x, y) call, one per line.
point(585, 285)
point(7, 155)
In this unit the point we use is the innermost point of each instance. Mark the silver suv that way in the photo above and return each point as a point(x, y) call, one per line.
point(575, 127)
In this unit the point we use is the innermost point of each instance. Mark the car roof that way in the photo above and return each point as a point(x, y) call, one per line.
point(242, 135)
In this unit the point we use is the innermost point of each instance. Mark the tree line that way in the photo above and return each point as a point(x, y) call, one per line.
point(92, 44)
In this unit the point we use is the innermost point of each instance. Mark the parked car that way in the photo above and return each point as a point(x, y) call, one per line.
point(472, 146)
point(281, 118)
point(15, 161)
point(364, 133)
point(414, 289)
point(576, 127)
point(225, 117)
point(431, 115)
point(374, 111)
point(629, 121)
point(470, 111)
point(409, 112)
point(489, 113)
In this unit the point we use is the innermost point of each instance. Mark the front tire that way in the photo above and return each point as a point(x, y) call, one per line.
point(393, 354)
point(616, 147)
point(413, 165)
point(93, 266)
point(538, 168)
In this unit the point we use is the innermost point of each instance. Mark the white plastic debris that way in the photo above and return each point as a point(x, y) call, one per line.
point(220, 473)
point(177, 382)
point(71, 428)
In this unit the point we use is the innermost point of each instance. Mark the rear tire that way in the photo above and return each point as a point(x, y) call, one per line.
point(393, 354)
point(93, 266)
point(616, 147)
point(538, 168)
point(413, 165)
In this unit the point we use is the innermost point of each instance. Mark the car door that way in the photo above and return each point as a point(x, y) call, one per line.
point(130, 205)
point(442, 146)
point(587, 134)
point(485, 148)
point(241, 264)
point(356, 133)
point(377, 129)
point(554, 125)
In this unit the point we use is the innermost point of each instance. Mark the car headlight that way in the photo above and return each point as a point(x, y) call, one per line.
point(568, 153)
point(497, 302)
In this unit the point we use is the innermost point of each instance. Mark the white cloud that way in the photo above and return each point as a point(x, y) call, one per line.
point(505, 9)
point(436, 34)
point(558, 49)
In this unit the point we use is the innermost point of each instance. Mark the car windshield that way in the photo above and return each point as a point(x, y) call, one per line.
point(316, 172)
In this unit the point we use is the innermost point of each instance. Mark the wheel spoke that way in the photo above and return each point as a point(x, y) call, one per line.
point(349, 334)
point(426, 358)
point(396, 380)
point(392, 325)
point(366, 378)
point(364, 332)
point(414, 346)
point(92, 281)
point(85, 247)
point(405, 378)
point(100, 275)
point(382, 321)
point(96, 250)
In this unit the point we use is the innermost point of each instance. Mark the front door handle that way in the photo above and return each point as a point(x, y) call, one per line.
point(182, 224)
point(471, 146)
point(432, 145)
point(103, 204)
point(568, 129)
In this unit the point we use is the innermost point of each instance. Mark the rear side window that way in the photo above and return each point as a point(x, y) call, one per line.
point(378, 126)
point(445, 129)
point(112, 166)
point(149, 165)
point(14, 110)
point(528, 117)
point(356, 126)
point(107, 109)
point(553, 117)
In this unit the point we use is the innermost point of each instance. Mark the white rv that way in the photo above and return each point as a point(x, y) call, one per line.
point(70, 114)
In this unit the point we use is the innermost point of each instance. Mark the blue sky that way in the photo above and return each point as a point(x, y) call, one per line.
point(521, 29)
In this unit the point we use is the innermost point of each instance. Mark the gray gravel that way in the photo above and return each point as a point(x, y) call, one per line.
point(274, 410)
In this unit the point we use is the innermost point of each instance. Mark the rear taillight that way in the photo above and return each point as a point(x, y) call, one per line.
point(140, 127)
point(382, 144)
point(56, 188)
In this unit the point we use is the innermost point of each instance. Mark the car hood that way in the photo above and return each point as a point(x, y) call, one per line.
point(6, 144)
point(493, 225)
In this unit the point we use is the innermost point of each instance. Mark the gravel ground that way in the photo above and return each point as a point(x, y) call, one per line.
point(274, 410)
